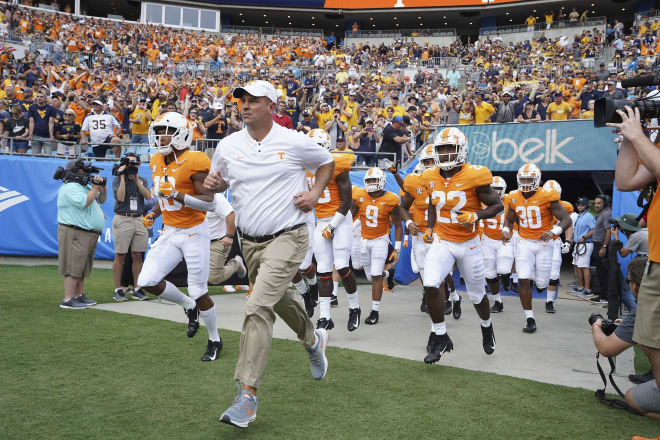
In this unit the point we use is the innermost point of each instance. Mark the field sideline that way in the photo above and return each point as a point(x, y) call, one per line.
point(97, 374)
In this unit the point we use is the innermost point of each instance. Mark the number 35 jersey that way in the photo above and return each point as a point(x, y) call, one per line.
point(534, 214)
point(178, 174)
point(456, 194)
point(375, 212)
point(330, 200)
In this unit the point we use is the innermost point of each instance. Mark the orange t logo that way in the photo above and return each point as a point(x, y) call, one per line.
point(281, 154)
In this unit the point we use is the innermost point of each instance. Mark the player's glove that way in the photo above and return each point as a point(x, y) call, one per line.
point(405, 241)
point(565, 247)
point(148, 220)
point(392, 168)
point(428, 236)
point(394, 257)
point(328, 232)
point(166, 189)
point(467, 218)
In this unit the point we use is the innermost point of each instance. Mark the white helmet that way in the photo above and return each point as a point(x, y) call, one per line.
point(419, 169)
point(374, 180)
point(321, 137)
point(529, 171)
point(456, 138)
point(499, 185)
point(427, 157)
point(552, 184)
point(181, 137)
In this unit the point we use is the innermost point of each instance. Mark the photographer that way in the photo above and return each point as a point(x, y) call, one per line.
point(80, 221)
point(366, 142)
point(130, 193)
point(638, 242)
point(335, 128)
point(583, 228)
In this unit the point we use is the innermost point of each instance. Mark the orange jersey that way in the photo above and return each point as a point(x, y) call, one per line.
point(354, 191)
point(492, 227)
point(375, 212)
point(458, 193)
point(567, 206)
point(414, 186)
point(178, 174)
point(534, 214)
point(330, 200)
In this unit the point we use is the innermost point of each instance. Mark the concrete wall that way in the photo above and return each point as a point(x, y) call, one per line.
point(376, 41)
point(552, 33)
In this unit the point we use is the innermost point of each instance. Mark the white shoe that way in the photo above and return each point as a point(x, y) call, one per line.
point(229, 288)
point(318, 363)
point(242, 270)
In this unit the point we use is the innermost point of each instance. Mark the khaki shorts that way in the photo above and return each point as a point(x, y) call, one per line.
point(647, 321)
point(129, 232)
point(75, 252)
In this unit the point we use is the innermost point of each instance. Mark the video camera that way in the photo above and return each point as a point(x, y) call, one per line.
point(649, 106)
point(83, 179)
point(607, 325)
point(131, 166)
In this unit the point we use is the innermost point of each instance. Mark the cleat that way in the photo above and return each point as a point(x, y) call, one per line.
point(193, 321)
point(83, 299)
point(488, 339)
point(497, 307)
point(313, 290)
point(641, 378)
point(242, 270)
point(318, 363)
point(423, 307)
point(139, 295)
point(72, 303)
point(449, 307)
point(598, 300)
point(334, 302)
point(440, 345)
point(429, 343)
point(456, 313)
point(326, 324)
point(242, 411)
point(549, 307)
point(213, 349)
point(353, 319)
point(531, 326)
point(387, 289)
point(119, 296)
point(308, 304)
point(372, 318)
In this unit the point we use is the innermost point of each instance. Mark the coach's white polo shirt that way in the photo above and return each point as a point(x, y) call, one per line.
point(217, 217)
point(264, 176)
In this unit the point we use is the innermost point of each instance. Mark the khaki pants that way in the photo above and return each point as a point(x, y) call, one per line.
point(218, 271)
point(647, 321)
point(271, 267)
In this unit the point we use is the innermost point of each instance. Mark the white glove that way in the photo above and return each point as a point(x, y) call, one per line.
point(565, 247)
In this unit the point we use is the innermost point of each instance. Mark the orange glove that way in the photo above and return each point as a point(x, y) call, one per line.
point(148, 220)
point(428, 236)
point(405, 242)
point(467, 218)
point(166, 189)
point(328, 232)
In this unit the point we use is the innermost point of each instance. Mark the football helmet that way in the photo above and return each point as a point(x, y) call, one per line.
point(499, 185)
point(374, 180)
point(552, 184)
point(427, 157)
point(419, 169)
point(529, 177)
point(456, 138)
point(177, 127)
point(321, 137)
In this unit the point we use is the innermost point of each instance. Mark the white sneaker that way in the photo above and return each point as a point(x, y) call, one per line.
point(242, 270)
point(318, 363)
point(229, 288)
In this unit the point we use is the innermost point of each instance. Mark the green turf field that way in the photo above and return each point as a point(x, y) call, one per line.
point(91, 374)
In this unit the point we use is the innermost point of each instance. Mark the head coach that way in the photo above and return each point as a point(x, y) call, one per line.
point(264, 167)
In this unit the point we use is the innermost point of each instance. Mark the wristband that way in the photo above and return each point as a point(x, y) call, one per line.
point(336, 220)
point(200, 205)
point(506, 229)
point(408, 222)
point(397, 245)
point(557, 230)
point(229, 236)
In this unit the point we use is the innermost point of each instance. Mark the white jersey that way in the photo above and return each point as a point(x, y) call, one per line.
point(217, 218)
point(100, 127)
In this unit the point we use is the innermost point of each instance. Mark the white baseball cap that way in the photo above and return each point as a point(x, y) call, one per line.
point(256, 88)
point(217, 106)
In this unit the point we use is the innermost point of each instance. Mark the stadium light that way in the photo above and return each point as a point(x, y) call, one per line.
point(623, 9)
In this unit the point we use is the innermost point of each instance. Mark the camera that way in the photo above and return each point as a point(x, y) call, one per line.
point(82, 179)
point(607, 325)
point(131, 166)
point(605, 109)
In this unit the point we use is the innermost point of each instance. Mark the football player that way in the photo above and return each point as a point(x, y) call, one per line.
point(535, 210)
point(178, 176)
point(457, 192)
point(498, 257)
point(559, 248)
point(377, 207)
point(332, 237)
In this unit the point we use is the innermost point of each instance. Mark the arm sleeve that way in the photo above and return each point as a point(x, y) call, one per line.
point(115, 185)
point(633, 242)
point(85, 124)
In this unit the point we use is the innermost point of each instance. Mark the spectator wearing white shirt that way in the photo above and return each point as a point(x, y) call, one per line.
point(101, 129)
point(222, 230)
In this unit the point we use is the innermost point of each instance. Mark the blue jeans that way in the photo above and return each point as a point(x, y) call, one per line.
point(139, 139)
point(368, 159)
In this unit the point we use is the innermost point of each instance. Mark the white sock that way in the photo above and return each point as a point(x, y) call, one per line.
point(375, 305)
point(335, 284)
point(311, 281)
point(301, 287)
point(171, 293)
point(453, 296)
point(439, 328)
point(497, 298)
point(353, 301)
point(210, 320)
point(529, 313)
point(486, 323)
point(514, 277)
point(386, 274)
point(324, 307)
point(550, 295)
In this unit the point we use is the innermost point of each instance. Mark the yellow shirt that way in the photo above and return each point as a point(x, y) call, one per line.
point(588, 114)
point(323, 119)
point(465, 118)
point(530, 21)
point(558, 112)
point(398, 110)
point(141, 126)
point(482, 113)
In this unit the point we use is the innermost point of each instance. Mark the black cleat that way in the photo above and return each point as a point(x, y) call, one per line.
point(308, 304)
point(390, 280)
point(325, 323)
point(353, 319)
point(193, 321)
point(549, 307)
point(514, 287)
point(531, 326)
point(448, 307)
point(497, 307)
point(333, 301)
point(488, 338)
point(313, 291)
point(372, 318)
point(423, 307)
point(456, 313)
point(213, 349)
point(440, 345)
point(429, 343)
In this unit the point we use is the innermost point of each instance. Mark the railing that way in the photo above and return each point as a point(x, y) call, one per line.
point(646, 15)
point(271, 31)
point(541, 26)
point(394, 33)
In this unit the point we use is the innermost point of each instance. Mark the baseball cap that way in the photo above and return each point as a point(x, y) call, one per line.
point(217, 106)
point(69, 111)
point(406, 119)
point(351, 93)
point(628, 222)
point(398, 119)
point(256, 88)
point(96, 101)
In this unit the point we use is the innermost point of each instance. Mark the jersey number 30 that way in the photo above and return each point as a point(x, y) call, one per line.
point(529, 217)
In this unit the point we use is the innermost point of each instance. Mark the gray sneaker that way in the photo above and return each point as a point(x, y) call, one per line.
point(242, 270)
point(139, 295)
point(83, 299)
point(72, 303)
point(119, 295)
point(242, 411)
point(318, 363)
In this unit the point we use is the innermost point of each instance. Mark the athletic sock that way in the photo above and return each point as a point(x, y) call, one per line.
point(301, 287)
point(386, 274)
point(453, 296)
point(497, 297)
point(324, 302)
point(210, 320)
point(171, 293)
point(486, 323)
point(375, 305)
point(529, 314)
point(514, 277)
point(353, 301)
point(550, 295)
point(311, 281)
point(439, 328)
point(335, 284)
